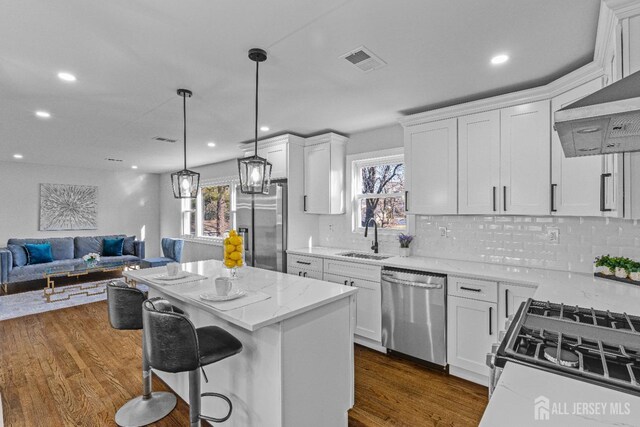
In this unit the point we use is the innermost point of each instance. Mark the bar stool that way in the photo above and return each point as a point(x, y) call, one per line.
point(175, 345)
point(125, 313)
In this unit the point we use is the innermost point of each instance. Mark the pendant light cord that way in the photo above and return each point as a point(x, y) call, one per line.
point(184, 121)
point(256, 127)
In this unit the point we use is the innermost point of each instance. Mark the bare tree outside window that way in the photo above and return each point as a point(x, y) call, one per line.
point(382, 195)
point(216, 210)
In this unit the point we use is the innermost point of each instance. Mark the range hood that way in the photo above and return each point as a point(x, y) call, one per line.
point(607, 121)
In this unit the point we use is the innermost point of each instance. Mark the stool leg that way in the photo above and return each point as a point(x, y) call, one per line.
point(194, 398)
point(148, 408)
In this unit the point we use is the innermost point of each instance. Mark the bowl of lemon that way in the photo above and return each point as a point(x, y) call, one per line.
point(233, 251)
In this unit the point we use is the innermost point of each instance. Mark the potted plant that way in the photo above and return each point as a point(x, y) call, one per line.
point(634, 271)
point(604, 264)
point(405, 240)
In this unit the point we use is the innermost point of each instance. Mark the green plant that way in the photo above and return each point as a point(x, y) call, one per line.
point(603, 261)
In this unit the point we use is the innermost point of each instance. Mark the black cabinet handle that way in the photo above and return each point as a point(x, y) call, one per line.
point(553, 197)
point(494, 199)
point(303, 262)
point(304, 274)
point(464, 288)
point(299, 273)
point(490, 322)
point(345, 283)
point(304, 202)
point(406, 201)
point(504, 198)
point(352, 283)
point(603, 178)
point(506, 303)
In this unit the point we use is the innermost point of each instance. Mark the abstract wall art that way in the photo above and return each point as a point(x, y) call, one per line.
point(68, 207)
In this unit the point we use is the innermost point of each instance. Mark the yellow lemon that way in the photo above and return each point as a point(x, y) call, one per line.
point(229, 248)
point(239, 263)
point(235, 256)
point(226, 241)
point(233, 233)
point(230, 263)
point(239, 248)
point(235, 240)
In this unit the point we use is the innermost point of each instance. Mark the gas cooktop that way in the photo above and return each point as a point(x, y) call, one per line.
point(597, 346)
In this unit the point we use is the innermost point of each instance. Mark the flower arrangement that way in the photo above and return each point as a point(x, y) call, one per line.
point(91, 258)
point(405, 240)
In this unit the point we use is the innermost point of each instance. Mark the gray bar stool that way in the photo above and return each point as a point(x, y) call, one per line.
point(125, 313)
point(175, 345)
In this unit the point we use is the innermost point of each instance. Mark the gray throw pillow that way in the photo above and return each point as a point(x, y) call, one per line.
point(19, 255)
point(127, 247)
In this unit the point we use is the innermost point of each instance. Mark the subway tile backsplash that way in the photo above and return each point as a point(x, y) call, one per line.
point(512, 240)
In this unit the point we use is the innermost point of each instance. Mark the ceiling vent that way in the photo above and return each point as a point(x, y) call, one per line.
point(109, 159)
point(364, 59)
point(163, 139)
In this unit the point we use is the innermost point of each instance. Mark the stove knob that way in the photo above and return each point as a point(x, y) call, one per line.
point(494, 347)
point(490, 360)
point(501, 335)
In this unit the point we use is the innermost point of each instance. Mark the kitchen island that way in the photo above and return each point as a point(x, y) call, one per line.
point(296, 367)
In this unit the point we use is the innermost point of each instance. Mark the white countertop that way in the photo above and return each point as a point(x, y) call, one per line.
point(513, 401)
point(290, 295)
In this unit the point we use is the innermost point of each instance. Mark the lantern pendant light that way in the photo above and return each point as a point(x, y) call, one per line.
point(185, 183)
point(255, 171)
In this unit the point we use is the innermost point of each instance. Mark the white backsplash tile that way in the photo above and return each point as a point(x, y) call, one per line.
point(512, 240)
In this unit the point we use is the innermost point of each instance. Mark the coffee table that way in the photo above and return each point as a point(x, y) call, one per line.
point(81, 270)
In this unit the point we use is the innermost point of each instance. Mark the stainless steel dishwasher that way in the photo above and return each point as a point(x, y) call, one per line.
point(414, 314)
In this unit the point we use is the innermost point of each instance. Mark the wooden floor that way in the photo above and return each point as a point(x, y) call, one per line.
point(69, 368)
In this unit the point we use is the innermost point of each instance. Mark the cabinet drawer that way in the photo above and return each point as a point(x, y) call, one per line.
point(304, 273)
point(481, 290)
point(352, 269)
point(305, 262)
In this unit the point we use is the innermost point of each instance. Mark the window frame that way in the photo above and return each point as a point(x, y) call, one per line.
point(392, 156)
point(187, 211)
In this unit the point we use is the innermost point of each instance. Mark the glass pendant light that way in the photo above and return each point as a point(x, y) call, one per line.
point(255, 171)
point(185, 183)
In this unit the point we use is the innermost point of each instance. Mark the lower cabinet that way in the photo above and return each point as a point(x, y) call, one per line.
point(297, 271)
point(368, 305)
point(510, 297)
point(472, 329)
point(305, 266)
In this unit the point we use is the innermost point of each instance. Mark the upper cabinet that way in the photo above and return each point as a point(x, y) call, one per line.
point(431, 162)
point(324, 174)
point(276, 151)
point(525, 159)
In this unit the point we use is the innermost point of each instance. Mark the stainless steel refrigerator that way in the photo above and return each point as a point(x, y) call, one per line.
point(262, 219)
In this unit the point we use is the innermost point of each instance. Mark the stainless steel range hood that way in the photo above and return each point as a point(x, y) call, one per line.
point(607, 121)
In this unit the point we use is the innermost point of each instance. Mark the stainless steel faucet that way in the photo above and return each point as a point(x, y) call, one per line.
point(374, 246)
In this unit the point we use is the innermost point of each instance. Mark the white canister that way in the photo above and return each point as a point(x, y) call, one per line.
point(405, 252)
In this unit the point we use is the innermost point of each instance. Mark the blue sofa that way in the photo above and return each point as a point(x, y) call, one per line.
point(66, 251)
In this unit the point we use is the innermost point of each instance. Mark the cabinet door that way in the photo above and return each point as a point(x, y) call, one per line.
point(479, 163)
point(525, 157)
point(509, 299)
point(368, 305)
point(277, 156)
point(317, 178)
point(431, 162)
point(575, 182)
point(472, 329)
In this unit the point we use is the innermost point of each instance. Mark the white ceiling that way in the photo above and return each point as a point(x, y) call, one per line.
point(131, 56)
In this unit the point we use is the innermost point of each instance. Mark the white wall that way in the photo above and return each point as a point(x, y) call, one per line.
point(128, 202)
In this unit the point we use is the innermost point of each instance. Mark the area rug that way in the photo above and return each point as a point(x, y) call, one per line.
point(34, 302)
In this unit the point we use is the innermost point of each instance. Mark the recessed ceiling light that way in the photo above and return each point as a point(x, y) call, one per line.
point(134, 167)
point(67, 77)
point(264, 128)
point(499, 59)
point(211, 144)
point(43, 114)
point(18, 156)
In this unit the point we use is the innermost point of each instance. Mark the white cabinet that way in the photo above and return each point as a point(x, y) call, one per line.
point(472, 328)
point(431, 163)
point(525, 159)
point(324, 174)
point(578, 183)
point(510, 297)
point(479, 163)
point(305, 266)
point(366, 278)
point(277, 156)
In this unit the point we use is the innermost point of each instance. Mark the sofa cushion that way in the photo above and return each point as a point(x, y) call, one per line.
point(61, 247)
point(123, 258)
point(112, 247)
point(19, 255)
point(34, 272)
point(128, 248)
point(88, 244)
point(39, 253)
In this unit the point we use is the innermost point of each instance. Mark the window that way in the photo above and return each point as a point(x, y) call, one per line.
point(211, 214)
point(379, 192)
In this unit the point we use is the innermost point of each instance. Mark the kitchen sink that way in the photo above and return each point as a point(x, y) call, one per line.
point(364, 256)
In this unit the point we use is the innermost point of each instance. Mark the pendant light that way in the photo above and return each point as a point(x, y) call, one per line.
point(254, 171)
point(185, 182)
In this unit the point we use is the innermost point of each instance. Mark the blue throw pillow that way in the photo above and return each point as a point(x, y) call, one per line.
point(19, 255)
point(112, 247)
point(38, 253)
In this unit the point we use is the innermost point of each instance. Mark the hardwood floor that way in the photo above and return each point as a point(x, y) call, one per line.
point(69, 368)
